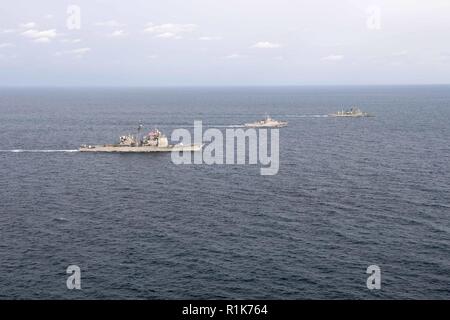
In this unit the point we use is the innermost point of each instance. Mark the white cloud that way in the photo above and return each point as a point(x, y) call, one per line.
point(167, 35)
point(266, 45)
point(402, 53)
point(118, 33)
point(70, 40)
point(209, 38)
point(42, 40)
point(76, 52)
point(40, 36)
point(6, 45)
point(169, 30)
point(234, 56)
point(333, 57)
point(109, 24)
point(7, 31)
point(80, 51)
point(152, 56)
point(28, 25)
point(48, 16)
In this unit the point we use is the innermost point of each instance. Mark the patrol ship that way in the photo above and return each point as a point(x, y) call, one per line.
point(154, 141)
point(268, 122)
point(352, 112)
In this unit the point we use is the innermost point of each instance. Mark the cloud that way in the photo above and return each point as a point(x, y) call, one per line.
point(234, 56)
point(109, 24)
point(40, 36)
point(80, 52)
point(152, 56)
point(402, 53)
point(42, 40)
point(6, 45)
point(28, 25)
point(70, 40)
point(169, 30)
point(7, 31)
point(209, 38)
point(118, 33)
point(266, 45)
point(168, 35)
point(333, 57)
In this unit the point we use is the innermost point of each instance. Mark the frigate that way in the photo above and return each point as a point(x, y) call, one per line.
point(352, 113)
point(268, 122)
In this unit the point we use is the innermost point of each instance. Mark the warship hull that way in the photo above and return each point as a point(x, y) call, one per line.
point(140, 149)
point(349, 115)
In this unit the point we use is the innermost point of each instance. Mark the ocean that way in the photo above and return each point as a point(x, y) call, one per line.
point(349, 193)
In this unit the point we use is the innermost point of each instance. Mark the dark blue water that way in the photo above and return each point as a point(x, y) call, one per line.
point(349, 193)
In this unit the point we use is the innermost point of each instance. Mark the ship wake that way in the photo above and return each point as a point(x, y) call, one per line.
point(38, 150)
point(307, 116)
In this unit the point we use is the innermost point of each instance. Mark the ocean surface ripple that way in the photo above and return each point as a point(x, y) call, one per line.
point(350, 193)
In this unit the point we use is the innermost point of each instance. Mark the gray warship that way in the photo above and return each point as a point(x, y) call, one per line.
point(154, 141)
point(268, 122)
point(351, 113)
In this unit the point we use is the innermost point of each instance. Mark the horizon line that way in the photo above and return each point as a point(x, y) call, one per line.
point(226, 85)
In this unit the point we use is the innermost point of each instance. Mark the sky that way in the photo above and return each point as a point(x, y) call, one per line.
point(224, 42)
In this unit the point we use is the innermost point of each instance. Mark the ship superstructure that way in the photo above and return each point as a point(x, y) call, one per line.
point(353, 112)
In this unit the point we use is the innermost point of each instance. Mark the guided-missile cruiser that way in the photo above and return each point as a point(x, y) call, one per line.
point(154, 141)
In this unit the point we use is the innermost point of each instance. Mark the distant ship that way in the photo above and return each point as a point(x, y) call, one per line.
point(268, 122)
point(352, 112)
point(154, 141)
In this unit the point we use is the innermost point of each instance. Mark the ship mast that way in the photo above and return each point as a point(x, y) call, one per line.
point(138, 133)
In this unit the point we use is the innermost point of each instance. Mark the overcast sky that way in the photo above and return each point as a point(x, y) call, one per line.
point(224, 42)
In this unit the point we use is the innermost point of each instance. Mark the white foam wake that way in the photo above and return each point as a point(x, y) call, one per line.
point(43, 150)
point(225, 126)
point(307, 116)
